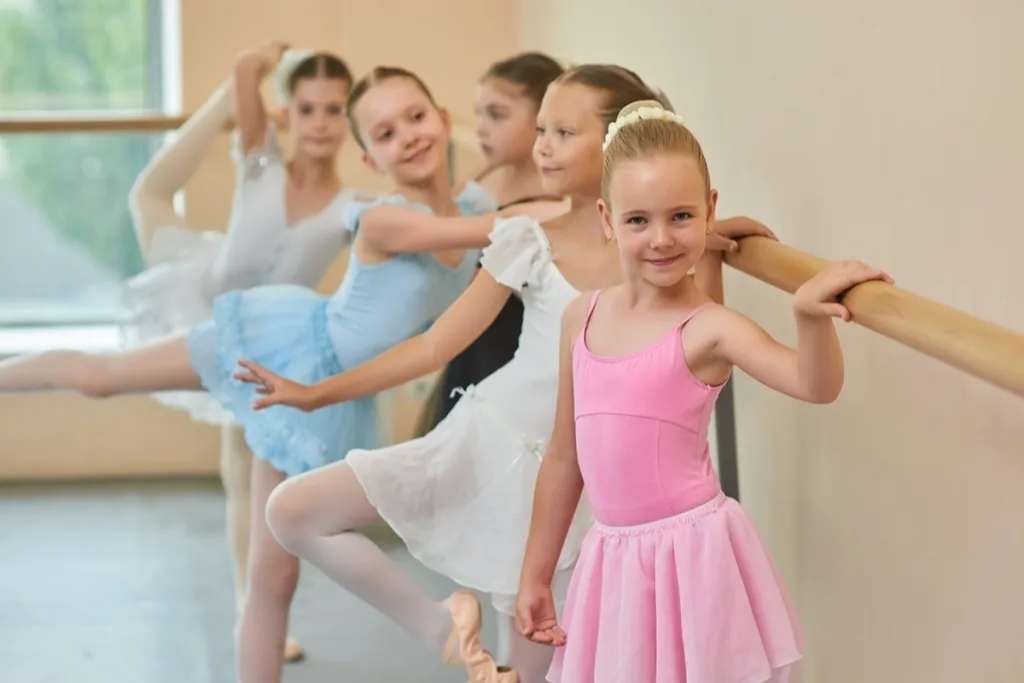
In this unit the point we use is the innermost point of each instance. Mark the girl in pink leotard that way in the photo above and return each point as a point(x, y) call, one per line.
point(672, 583)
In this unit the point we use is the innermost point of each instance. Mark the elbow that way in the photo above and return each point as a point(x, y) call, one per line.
point(433, 352)
point(137, 195)
point(373, 227)
point(559, 453)
point(827, 394)
point(823, 399)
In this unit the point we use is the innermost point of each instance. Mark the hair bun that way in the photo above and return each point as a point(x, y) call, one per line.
point(639, 104)
point(641, 110)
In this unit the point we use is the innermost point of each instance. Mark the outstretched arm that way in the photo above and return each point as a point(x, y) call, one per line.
point(152, 196)
point(456, 329)
point(397, 229)
point(250, 113)
point(813, 371)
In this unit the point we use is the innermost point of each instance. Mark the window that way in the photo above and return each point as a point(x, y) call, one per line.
point(67, 236)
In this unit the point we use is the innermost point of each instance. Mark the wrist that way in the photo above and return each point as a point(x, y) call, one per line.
point(252, 65)
point(318, 396)
point(810, 315)
point(536, 577)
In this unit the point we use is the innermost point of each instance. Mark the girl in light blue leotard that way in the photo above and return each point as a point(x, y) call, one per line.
point(411, 257)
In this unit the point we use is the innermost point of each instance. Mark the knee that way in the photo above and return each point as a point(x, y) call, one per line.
point(287, 516)
point(273, 579)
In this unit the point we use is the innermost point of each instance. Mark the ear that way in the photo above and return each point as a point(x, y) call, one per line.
point(446, 119)
point(281, 118)
point(712, 206)
point(606, 220)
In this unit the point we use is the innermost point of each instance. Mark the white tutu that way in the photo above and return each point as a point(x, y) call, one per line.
point(170, 298)
point(461, 497)
point(189, 269)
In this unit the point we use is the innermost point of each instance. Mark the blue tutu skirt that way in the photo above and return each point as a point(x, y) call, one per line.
point(284, 329)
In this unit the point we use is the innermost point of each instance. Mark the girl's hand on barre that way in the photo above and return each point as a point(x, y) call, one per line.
point(819, 296)
point(725, 233)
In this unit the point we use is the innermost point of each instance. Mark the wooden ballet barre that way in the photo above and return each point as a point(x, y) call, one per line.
point(46, 123)
point(983, 349)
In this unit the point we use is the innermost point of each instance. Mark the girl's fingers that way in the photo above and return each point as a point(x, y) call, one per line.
point(256, 369)
point(541, 636)
point(554, 636)
point(524, 622)
point(248, 365)
point(717, 242)
point(836, 311)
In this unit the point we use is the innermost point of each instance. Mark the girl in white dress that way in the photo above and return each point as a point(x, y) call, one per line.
point(288, 223)
point(461, 496)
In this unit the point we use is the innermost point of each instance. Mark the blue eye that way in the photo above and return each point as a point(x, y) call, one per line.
point(682, 216)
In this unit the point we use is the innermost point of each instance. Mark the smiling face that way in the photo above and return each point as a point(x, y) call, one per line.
point(316, 116)
point(658, 210)
point(570, 130)
point(404, 134)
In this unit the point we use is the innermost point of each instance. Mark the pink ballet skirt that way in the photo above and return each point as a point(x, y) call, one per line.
point(672, 585)
point(692, 598)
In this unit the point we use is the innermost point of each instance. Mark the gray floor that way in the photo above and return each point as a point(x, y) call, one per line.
point(131, 581)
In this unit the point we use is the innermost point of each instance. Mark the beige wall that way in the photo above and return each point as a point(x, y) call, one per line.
point(887, 131)
point(67, 436)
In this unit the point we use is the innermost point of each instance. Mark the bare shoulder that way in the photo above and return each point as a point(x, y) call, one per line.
point(576, 314)
point(717, 326)
point(555, 224)
point(714, 322)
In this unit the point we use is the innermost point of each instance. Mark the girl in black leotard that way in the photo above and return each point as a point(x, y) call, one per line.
point(508, 98)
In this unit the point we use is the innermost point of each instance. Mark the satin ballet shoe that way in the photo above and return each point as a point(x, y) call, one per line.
point(293, 651)
point(506, 675)
point(486, 671)
point(463, 644)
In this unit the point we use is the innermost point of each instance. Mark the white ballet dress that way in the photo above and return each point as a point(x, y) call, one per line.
point(189, 268)
point(461, 496)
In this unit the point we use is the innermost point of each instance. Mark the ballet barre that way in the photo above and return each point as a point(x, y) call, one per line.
point(85, 123)
point(37, 122)
point(980, 348)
